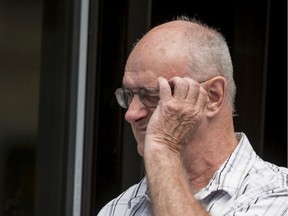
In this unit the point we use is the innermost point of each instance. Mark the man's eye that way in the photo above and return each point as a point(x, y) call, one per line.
point(152, 98)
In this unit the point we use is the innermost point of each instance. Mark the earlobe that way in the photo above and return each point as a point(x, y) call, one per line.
point(216, 89)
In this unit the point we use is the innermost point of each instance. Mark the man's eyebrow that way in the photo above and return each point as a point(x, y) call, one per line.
point(125, 86)
point(153, 89)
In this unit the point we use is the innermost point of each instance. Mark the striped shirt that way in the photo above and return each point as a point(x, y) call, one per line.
point(243, 185)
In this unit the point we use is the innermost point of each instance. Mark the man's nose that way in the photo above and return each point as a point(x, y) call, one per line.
point(136, 110)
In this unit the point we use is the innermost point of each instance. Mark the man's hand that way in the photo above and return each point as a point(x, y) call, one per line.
point(178, 114)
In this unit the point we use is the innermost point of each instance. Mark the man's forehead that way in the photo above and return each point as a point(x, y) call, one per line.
point(140, 78)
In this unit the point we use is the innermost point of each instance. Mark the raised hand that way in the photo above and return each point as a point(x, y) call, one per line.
point(178, 114)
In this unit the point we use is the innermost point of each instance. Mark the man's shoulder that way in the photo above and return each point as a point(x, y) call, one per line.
point(265, 178)
point(268, 172)
point(264, 189)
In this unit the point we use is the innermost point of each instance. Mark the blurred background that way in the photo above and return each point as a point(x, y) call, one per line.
point(65, 148)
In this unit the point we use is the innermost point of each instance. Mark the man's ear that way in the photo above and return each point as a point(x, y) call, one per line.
point(217, 90)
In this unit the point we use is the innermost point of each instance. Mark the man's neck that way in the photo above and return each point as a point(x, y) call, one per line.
point(202, 162)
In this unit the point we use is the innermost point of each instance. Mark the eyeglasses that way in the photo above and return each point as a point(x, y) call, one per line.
point(148, 96)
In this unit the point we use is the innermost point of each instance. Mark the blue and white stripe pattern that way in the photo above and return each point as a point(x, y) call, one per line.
point(244, 185)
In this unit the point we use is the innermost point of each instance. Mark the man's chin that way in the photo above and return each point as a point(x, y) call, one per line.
point(140, 139)
point(140, 148)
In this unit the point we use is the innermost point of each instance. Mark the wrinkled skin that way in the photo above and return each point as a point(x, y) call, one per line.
point(178, 114)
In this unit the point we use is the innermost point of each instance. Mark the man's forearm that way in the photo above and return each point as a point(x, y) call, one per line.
point(169, 190)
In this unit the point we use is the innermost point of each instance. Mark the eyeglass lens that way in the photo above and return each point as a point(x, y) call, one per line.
point(149, 97)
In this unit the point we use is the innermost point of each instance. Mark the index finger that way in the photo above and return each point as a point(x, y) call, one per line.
point(165, 91)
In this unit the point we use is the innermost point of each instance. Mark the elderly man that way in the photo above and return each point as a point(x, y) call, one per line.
point(179, 92)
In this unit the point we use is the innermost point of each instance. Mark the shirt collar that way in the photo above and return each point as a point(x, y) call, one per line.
point(140, 192)
point(232, 172)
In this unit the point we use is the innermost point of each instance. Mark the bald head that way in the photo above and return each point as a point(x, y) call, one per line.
point(168, 44)
point(184, 47)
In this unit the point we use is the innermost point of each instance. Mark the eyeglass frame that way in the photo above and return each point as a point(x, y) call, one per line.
point(149, 90)
point(155, 89)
